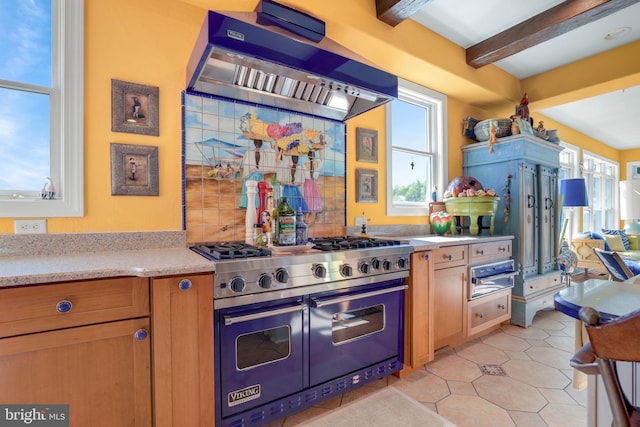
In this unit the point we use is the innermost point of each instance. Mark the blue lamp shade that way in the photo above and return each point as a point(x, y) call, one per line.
point(574, 192)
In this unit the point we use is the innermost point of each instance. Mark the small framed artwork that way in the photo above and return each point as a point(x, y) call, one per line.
point(134, 108)
point(134, 170)
point(525, 126)
point(367, 186)
point(366, 145)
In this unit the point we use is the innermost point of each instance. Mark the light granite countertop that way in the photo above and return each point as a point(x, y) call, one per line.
point(36, 259)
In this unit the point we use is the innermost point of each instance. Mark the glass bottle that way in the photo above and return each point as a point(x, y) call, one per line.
point(286, 224)
point(302, 231)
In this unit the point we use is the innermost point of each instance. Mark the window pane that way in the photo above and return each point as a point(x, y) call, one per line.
point(410, 174)
point(409, 125)
point(24, 140)
point(26, 41)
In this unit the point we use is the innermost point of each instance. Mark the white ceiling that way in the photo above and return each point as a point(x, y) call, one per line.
point(611, 118)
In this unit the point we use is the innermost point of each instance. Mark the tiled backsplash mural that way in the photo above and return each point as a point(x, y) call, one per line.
point(226, 143)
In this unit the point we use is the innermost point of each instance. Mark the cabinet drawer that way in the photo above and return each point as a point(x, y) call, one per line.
point(488, 311)
point(480, 253)
point(541, 283)
point(42, 307)
point(450, 256)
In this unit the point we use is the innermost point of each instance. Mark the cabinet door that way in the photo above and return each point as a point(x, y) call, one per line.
point(418, 303)
point(449, 306)
point(547, 218)
point(182, 313)
point(101, 371)
point(529, 222)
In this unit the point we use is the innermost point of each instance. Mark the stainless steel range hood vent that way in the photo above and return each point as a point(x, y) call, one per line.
point(238, 58)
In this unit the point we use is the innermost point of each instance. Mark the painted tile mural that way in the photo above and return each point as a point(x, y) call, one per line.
point(227, 143)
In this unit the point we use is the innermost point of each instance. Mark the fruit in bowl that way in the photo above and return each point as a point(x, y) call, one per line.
point(441, 222)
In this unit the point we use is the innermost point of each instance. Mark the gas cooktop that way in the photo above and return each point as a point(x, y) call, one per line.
point(229, 250)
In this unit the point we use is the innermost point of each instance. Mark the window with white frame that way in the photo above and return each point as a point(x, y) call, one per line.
point(602, 176)
point(569, 168)
point(41, 108)
point(416, 149)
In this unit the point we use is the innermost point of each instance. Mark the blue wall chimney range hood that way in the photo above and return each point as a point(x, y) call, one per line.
point(279, 57)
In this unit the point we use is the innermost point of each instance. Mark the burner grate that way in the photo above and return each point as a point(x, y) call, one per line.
point(230, 250)
point(341, 243)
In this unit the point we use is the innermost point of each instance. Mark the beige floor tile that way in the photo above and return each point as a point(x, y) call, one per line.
point(505, 342)
point(580, 396)
point(553, 357)
point(558, 415)
point(535, 374)
point(538, 343)
point(563, 343)
point(527, 419)
point(509, 394)
point(480, 352)
point(461, 387)
point(525, 333)
point(471, 411)
point(423, 387)
point(454, 368)
point(548, 324)
point(557, 396)
point(520, 355)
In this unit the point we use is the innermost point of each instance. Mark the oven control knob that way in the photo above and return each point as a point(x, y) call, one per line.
point(346, 270)
point(403, 262)
point(264, 281)
point(386, 265)
point(237, 284)
point(281, 275)
point(375, 263)
point(364, 267)
point(319, 271)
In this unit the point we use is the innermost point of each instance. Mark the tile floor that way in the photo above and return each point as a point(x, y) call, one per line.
point(466, 385)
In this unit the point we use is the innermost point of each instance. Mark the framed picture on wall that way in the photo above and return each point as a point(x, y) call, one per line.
point(134, 108)
point(367, 186)
point(366, 145)
point(134, 170)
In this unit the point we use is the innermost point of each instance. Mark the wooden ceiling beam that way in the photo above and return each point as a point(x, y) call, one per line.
point(393, 12)
point(553, 22)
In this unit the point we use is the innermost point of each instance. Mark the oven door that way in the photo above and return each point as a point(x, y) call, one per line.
point(352, 329)
point(259, 354)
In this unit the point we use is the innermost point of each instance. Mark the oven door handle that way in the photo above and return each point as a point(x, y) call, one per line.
point(317, 303)
point(482, 280)
point(230, 320)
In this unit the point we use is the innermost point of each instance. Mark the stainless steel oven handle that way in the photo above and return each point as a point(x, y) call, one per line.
point(482, 280)
point(317, 303)
point(229, 320)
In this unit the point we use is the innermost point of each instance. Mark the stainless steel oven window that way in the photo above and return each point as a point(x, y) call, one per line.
point(263, 347)
point(350, 325)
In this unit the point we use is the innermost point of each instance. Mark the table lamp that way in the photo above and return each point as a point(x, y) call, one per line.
point(630, 205)
point(573, 193)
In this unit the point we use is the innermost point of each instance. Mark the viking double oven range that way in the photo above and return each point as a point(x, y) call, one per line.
point(295, 328)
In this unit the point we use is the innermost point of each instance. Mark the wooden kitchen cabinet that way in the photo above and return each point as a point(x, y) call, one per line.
point(418, 329)
point(182, 323)
point(449, 306)
point(483, 313)
point(85, 344)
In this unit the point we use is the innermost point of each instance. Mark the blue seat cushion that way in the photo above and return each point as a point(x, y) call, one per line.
point(633, 266)
point(622, 234)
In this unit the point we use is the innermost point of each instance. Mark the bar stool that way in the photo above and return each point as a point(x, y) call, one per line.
point(610, 342)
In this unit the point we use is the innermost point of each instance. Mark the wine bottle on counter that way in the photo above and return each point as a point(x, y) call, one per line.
point(285, 223)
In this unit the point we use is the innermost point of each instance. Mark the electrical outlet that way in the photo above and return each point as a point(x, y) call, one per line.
point(30, 226)
point(361, 220)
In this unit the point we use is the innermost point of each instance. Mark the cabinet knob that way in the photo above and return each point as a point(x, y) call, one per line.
point(481, 252)
point(185, 284)
point(449, 257)
point(141, 335)
point(481, 315)
point(64, 306)
point(501, 306)
point(425, 257)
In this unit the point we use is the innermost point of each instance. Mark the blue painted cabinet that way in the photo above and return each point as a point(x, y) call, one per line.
point(531, 214)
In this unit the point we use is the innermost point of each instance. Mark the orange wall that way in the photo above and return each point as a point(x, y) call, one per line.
point(149, 42)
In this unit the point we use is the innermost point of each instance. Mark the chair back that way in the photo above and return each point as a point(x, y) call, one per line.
point(617, 269)
point(614, 341)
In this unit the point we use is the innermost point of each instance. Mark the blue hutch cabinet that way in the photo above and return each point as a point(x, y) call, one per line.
point(530, 213)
